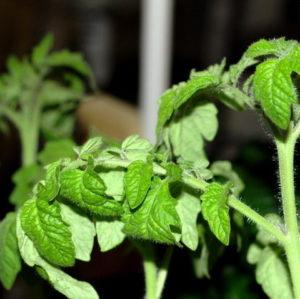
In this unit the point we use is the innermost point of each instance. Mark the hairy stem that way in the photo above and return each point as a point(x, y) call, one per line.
point(256, 218)
point(163, 272)
point(285, 150)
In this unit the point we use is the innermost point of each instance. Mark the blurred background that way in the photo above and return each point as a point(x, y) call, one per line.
point(136, 49)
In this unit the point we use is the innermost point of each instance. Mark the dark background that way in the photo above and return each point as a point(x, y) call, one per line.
point(107, 32)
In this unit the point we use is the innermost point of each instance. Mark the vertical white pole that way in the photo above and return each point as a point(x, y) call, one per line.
point(155, 59)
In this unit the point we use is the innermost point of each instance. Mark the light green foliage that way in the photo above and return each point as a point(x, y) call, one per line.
point(109, 233)
point(72, 60)
point(90, 147)
point(216, 211)
point(198, 81)
point(179, 94)
point(56, 126)
point(55, 150)
point(82, 230)
point(236, 70)
point(201, 256)
point(156, 218)
point(278, 47)
point(188, 208)
point(187, 134)
point(114, 182)
point(86, 190)
point(271, 273)
point(10, 262)
point(62, 282)
point(254, 253)
point(136, 148)
point(137, 182)
point(24, 179)
point(224, 169)
point(234, 98)
point(48, 189)
point(264, 237)
point(34, 100)
point(41, 51)
point(43, 224)
point(197, 168)
point(53, 93)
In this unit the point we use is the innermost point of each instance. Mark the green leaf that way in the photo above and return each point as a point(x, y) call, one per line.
point(236, 70)
point(273, 87)
point(199, 81)
point(224, 169)
point(201, 256)
point(278, 47)
point(254, 254)
point(174, 172)
point(55, 150)
point(166, 108)
point(82, 230)
point(90, 147)
point(109, 234)
point(48, 189)
point(188, 208)
point(137, 182)
point(10, 262)
point(53, 93)
point(43, 224)
point(187, 134)
point(216, 211)
point(197, 168)
point(57, 125)
point(72, 60)
point(156, 219)
point(24, 179)
point(234, 98)
point(265, 238)
point(62, 282)
point(41, 51)
point(136, 148)
point(114, 182)
point(272, 275)
point(86, 190)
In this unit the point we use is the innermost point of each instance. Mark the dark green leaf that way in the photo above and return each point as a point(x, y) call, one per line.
point(216, 211)
point(137, 182)
point(274, 88)
point(86, 190)
point(43, 224)
point(156, 219)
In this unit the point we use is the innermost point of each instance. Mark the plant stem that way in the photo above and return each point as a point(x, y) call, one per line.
point(163, 272)
point(150, 271)
point(285, 150)
point(29, 135)
point(256, 218)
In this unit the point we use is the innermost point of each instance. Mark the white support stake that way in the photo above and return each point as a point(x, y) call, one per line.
point(155, 59)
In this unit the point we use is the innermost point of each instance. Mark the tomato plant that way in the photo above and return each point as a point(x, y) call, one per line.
point(169, 192)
